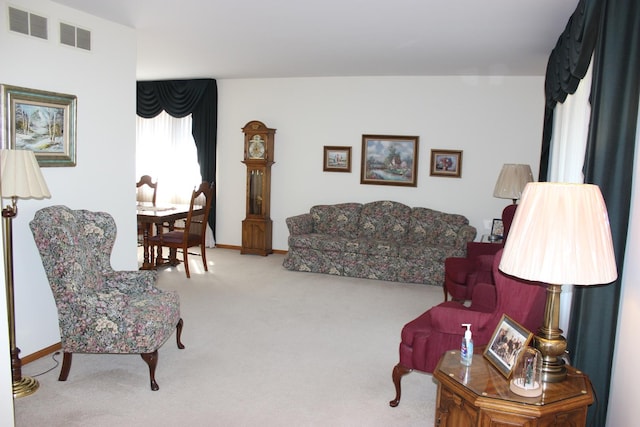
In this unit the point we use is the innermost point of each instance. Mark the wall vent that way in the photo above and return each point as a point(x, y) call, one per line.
point(76, 37)
point(28, 23)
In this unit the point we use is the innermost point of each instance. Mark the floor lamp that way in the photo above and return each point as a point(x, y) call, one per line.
point(560, 235)
point(20, 179)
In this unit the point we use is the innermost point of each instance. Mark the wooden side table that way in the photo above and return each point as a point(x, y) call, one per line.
point(479, 395)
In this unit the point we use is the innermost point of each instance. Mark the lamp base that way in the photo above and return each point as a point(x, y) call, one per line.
point(25, 386)
point(553, 369)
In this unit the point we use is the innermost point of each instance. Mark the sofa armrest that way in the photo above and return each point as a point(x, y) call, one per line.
point(300, 224)
point(466, 234)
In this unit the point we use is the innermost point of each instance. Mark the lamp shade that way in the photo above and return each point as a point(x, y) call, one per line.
point(512, 180)
point(560, 235)
point(21, 176)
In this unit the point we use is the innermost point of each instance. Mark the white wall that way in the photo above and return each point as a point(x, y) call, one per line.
point(104, 82)
point(494, 120)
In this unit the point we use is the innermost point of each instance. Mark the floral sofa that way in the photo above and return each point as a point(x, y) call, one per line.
point(383, 240)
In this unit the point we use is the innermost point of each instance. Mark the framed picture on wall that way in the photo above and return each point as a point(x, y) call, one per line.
point(43, 122)
point(446, 163)
point(389, 160)
point(336, 159)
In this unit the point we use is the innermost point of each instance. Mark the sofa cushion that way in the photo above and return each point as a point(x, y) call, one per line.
point(321, 242)
point(373, 247)
point(336, 220)
point(384, 220)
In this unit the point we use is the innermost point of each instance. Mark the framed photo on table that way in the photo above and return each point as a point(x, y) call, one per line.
point(502, 350)
point(497, 229)
point(40, 121)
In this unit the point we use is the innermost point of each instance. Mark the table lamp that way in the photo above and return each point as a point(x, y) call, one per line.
point(511, 181)
point(560, 235)
point(20, 179)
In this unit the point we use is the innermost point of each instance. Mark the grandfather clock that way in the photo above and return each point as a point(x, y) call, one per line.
point(258, 157)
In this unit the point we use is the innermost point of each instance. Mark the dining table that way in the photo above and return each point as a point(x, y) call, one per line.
point(160, 216)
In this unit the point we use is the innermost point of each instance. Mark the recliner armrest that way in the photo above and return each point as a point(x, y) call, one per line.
point(448, 317)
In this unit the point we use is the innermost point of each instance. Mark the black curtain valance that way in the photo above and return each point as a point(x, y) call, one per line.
point(567, 65)
point(179, 98)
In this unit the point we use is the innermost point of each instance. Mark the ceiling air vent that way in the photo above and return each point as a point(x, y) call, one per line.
point(76, 37)
point(27, 23)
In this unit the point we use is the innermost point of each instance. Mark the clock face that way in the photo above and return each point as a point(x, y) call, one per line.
point(256, 147)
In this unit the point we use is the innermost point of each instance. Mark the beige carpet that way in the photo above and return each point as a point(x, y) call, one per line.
point(264, 347)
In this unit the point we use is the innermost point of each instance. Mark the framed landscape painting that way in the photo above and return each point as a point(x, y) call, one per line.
point(39, 121)
point(336, 159)
point(389, 160)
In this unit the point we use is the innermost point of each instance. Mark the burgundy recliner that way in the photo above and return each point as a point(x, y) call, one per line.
point(425, 339)
point(462, 274)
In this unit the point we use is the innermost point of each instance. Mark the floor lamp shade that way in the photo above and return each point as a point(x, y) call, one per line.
point(560, 235)
point(511, 181)
point(20, 178)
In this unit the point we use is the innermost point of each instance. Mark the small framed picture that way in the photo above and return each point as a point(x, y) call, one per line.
point(497, 229)
point(39, 121)
point(336, 159)
point(389, 160)
point(446, 163)
point(507, 339)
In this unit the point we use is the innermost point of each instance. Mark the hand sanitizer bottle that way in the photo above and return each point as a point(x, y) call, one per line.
point(466, 348)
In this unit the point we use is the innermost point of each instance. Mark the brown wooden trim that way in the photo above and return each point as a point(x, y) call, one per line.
point(237, 248)
point(41, 353)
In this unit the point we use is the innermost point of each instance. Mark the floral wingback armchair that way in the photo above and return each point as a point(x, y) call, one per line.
point(101, 310)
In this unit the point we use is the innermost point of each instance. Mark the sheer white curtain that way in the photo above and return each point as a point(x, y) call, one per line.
point(568, 145)
point(166, 151)
point(569, 136)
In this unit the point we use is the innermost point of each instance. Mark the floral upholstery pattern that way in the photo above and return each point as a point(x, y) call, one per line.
point(99, 310)
point(383, 240)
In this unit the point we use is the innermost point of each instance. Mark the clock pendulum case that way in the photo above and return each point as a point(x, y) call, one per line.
point(258, 157)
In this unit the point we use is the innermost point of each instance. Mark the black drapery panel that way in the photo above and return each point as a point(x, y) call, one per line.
point(179, 98)
point(609, 162)
point(568, 64)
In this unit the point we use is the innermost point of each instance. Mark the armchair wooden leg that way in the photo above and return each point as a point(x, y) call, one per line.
point(179, 334)
point(152, 361)
point(66, 366)
point(398, 372)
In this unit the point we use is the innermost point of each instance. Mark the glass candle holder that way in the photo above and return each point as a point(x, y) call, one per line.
point(527, 374)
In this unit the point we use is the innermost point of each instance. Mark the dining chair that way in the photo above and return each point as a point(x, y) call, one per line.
point(195, 228)
point(146, 191)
